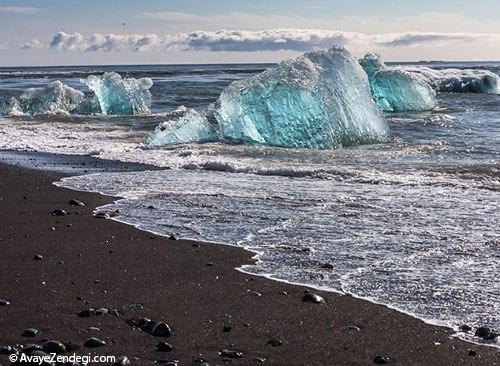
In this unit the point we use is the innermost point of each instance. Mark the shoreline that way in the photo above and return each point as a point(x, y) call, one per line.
point(346, 330)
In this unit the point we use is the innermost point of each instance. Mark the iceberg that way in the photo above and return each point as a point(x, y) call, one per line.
point(458, 81)
point(184, 126)
point(395, 89)
point(321, 100)
point(121, 96)
point(51, 99)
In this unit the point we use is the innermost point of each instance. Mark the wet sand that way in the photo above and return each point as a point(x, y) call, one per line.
point(193, 287)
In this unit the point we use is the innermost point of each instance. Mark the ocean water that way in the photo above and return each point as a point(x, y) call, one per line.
point(412, 223)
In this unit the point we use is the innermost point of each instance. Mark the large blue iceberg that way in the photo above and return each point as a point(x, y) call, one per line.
point(397, 90)
point(121, 96)
point(320, 100)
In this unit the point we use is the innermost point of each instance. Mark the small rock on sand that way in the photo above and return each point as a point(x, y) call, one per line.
point(75, 202)
point(59, 212)
point(4, 302)
point(380, 360)
point(53, 346)
point(94, 342)
point(231, 353)
point(486, 333)
point(38, 257)
point(30, 332)
point(164, 347)
point(314, 298)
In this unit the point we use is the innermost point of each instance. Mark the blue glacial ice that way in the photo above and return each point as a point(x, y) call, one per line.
point(184, 126)
point(458, 81)
point(320, 100)
point(395, 89)
point(55, 98)
point(121, 96)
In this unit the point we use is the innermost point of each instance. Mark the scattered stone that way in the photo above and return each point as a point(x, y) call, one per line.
point(30, 332)
point(231, 353)
point(327, 266)
point(259, 359)
point(101, 311)
point(314, 298)
point(486, 333)
point(113, 312)
point(4, 302)
point(94, 342)
point(161, 330)
point(164, 347)
point(121, 361)
point(59, 212)
point(194, 245)
point(255, 293)
point(157, 329)
point(30, 348)
point(151, 207)
point(172, 237)
point(381, 360)
point(85, 313)
point(54, 347)
point(465, 328)
point(38, 257)
point(354, 328)
point(101, 215)
point(168, 362)
point(7, 350)
point(210, 264)
point(274, 342)
point(75, 202)
point(471, 353)
point(226, 329)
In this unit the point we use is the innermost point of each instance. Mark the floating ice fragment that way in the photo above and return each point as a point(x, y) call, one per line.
point(397, 90)
point(121, 96)
point(51, 99)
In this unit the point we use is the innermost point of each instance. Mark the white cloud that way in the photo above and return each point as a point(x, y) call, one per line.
point(18, 10)
point(288, 39)
point(34, 43)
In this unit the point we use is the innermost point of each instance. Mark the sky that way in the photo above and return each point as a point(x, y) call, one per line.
point(93, 32)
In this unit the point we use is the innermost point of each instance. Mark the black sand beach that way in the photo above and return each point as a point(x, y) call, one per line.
point(210, 307)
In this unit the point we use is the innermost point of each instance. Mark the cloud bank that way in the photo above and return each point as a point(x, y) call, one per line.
point(288, 39)
point(18, 10)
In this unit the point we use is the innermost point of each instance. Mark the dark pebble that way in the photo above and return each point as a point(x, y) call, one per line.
point(30, 348)
point(310, 297)
point(93, 342)
point(38, 257)
point(327, 266)
point(59, 212)
point(226, 329)
point(75, 202)
point(30, 332)
point(486, 333)
point(167, 362)
point(161, 330)
point(259, 359)
point(274, 342)
point(172, 237)
point(380, 360)
point(121, 361)
point(113, 312)
point(101, 311)
point(471, 353)
point(164, 347)
point(7, 350)
point(85, 313)
point(4, 302)
point(231, 353)
point(210, 264)
point(465, 328)
point(101, 215)
point(54, 347)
